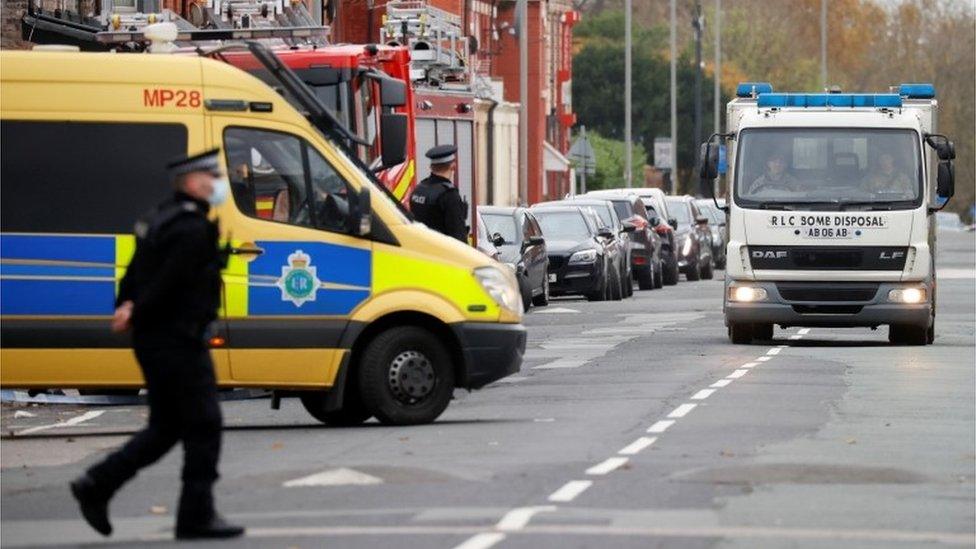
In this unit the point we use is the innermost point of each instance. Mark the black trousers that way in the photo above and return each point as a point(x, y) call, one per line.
point(183, 407)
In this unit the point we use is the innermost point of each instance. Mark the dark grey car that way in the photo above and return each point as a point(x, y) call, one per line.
point(518, 237)
point(693, 238)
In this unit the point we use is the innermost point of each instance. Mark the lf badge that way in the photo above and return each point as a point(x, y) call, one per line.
point(298, 282)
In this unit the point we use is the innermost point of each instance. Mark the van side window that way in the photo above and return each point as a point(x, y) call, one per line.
point(280, 177)
point(84, 177)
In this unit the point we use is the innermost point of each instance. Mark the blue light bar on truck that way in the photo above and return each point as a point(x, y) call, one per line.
point(917, 91)
point(877, 100)
point(747, 89)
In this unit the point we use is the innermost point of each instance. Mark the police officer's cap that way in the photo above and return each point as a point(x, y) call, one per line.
point(442, 154)
point(207, 162)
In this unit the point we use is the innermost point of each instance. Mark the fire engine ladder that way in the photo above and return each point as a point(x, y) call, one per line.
point(435, 37)
point(121, 24)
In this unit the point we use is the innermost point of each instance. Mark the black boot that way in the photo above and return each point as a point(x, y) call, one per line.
point(93, 502)
point(196, 517)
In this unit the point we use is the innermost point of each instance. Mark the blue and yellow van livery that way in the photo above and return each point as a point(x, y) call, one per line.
point(336, 297)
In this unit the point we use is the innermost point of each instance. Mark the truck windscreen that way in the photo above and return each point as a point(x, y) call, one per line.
point(828, 169)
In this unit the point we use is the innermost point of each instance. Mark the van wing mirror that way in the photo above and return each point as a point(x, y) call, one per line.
point(393, 92)
point(360, 219)
point(393, 138)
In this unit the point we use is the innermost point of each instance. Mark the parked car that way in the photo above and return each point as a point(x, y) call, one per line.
point(579, 259)
point(716, 222)
point(520, 242)
point(693, 237)
point(649, 272)
point(484, 242)
point(655, 198)
point(627, 236)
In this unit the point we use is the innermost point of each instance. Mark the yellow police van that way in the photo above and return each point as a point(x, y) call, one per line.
point(334, 295)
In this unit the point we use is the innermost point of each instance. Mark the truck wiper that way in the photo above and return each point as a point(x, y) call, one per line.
point(775, 206)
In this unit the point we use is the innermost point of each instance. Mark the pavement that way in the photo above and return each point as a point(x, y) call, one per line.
point(631, 424)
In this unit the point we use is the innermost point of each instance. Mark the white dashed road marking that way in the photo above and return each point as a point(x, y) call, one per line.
point(703, 394)
point(764, 359)
point(682, 411)
point(721, 383)
point(607, 466)
point(737, 374)
point(516, 519)
point(774, 351)
point(660, 426)
point(749, 365)
point(570, 490)
point(635, 447)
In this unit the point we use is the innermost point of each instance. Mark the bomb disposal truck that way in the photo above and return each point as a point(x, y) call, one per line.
point(830, 204)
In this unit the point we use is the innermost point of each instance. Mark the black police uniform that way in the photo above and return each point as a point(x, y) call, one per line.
point(436, 202)
point(174, 283)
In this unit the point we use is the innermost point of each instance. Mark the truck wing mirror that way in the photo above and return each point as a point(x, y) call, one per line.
point(708, 170)
point(393, 137)
point(945, 149)
point(946, 181)
point(393, 92)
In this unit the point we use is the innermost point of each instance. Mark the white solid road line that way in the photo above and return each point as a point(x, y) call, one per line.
point(635, 447)
point(570, 490)
point(804, 331)
point(607, 466)
point(483, 540)
point(516, 519)
point(682, 411)
point(749, 365)
point(721, 383)
point(737, 374)
point(774, 351)
point(703, 394)
point(660, 426)
point(67, 423)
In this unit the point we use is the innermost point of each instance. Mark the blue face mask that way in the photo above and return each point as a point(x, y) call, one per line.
point(221, 190)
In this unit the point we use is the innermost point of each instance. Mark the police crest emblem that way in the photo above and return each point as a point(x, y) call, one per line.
point(298, 282)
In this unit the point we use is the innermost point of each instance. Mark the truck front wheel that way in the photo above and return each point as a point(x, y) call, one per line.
point(908, 335)
point(406, 376)
point(740, 333)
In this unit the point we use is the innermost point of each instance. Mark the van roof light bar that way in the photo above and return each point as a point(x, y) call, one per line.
point(752, 89)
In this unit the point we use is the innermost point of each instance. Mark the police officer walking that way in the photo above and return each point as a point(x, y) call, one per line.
point(168, 297)
point(435, 201)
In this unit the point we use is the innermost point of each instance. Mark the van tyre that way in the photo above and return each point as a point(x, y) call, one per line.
point(740, 333)
point(645, 278)
point(351, 414)
point(406, 376)
point(908, 335)
point(542, 299)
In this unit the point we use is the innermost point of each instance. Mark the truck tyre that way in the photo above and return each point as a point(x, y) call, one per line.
point(693, 273)
point(708, 272)
point(659, 275)
point(352, 412)
point(406, 376)
point(671, 272)
point(899, 334)
point(542, 299)
point(762, 332)
point(645, 278)
point(740, 333)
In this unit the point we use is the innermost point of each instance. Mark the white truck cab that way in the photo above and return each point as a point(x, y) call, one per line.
point(830, 202)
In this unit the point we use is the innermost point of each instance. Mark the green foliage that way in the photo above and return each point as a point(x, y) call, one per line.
point(610, 162)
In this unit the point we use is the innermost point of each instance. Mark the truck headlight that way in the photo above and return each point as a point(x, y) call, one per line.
point(686, 246)
point(583, 257)
point(908, 295)
point(747, 294)
point(501, 286)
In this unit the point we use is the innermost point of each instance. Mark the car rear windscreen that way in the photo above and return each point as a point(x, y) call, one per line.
point(82, 177)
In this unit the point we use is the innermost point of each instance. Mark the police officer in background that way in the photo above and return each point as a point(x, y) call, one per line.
point(435, 201)
point(168, 297)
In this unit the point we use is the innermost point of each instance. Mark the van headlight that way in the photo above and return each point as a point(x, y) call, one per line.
point(908, 295)
point(501, 286)
point(583, 257)
point(747, 294)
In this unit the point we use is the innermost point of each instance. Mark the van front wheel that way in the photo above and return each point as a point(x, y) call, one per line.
point(351, 414)
point(406, 376)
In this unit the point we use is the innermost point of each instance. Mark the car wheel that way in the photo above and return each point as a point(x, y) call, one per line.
point(406, 376)
point(542, 299)
point(601, 291)
point(628, 282)
point(740, 333)
point(671, 274)
point(616, 286)
point(526, 292)
point(351, 414)
point(645, 278)
point(907, 335)
point(708, 272)
point(693, 273)
point(659, 275)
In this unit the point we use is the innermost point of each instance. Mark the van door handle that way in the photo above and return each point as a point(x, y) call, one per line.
point(246, 251)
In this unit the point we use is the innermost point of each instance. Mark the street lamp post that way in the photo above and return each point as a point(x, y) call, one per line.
point(628, 152)
point(697, 24)
point(674, 100)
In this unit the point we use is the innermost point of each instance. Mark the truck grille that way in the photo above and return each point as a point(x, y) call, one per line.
point(829, 258)
point(827, 309)
point(827, 291)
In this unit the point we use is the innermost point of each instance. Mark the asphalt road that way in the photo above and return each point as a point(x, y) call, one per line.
point(633, 424)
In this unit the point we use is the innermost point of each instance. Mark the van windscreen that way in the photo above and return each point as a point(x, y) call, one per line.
point(84, 177)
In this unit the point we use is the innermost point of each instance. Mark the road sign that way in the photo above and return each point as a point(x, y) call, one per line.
point(583, 155)
point(662, 153)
